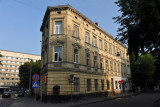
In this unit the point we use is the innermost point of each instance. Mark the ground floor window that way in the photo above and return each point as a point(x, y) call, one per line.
point(76, 84)
point(102, 84)
point(88, 84)
point(96, 84)
point(108, 85)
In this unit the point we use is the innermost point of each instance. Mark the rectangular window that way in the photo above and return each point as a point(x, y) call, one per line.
point(116, 84)
point(111, 65)
point(100, 44)
point(75, 56)
point(58, 27)
point(88, 84)
point(108, 85)
point(76, 84)
point(95, 61)
point(118, 67)
point(96, 84)
point(110, 49)
point(76, 31)
point(107, 64)
point(87, 37)
point(101, 63)
point(87, 59)
point(114, 50)
point(94, 41)
point(105, 44)
point(58, 53)
point(115, 68)
point(102, 84)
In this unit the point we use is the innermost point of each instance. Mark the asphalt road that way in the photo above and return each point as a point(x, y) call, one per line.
point(6, 102)
point(143, 100)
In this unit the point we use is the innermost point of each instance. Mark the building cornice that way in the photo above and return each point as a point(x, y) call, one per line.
point(65, 7)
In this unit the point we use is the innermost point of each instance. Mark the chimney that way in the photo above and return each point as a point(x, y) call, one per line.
point(96, 23)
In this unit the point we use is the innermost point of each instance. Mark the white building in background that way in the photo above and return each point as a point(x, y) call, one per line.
point(9, 68)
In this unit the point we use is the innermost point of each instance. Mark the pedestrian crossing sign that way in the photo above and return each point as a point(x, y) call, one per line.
point(35, 84)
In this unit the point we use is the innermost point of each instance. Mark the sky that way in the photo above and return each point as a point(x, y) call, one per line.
point(20, 20)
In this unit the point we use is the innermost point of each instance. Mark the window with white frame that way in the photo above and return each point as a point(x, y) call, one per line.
point(102, 84)
point(87, 37)
point(110, 49)
point(108, 85)
point(100, 44)
point(58, 27)
point(3, 69)
point(94, 41)
point(4, 61)
point(9, 57)
point(96, 84)
point(116, 84)
point(115, 68)
point(88, 84)
point(76, 84)
point(4, 65)
point(9, 61)
point(101, 63)
point(111, 65)
point(57, 53)
point(107, 64)
point(95, 61)
point(118, 67)
point(75, 55)
point(114, 50)
point(76, 31)
point(87, 58)
point(13, 58)
point(105, 44)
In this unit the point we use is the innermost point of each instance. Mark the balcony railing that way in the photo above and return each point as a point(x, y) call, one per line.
point(55, 66)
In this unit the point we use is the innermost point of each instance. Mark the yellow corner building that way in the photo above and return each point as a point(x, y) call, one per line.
point(78, 57)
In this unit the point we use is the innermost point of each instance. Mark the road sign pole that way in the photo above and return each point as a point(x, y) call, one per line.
point(30, 77)
point(35, 94)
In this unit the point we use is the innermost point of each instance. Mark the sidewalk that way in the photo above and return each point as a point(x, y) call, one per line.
point(30, 102)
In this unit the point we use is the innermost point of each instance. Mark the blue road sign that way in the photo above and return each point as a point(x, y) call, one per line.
point(35, 84)
point(35, 77)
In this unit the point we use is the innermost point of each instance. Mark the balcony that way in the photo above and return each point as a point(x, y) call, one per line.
point(69, 66)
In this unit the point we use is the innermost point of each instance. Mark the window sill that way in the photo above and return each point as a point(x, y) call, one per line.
point(77, 38)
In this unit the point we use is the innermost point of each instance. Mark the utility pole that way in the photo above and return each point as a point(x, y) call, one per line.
point(30, 77)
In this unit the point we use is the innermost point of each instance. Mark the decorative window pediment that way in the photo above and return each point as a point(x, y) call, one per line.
point(87, 50)
point(76, 45)
point(57, 42)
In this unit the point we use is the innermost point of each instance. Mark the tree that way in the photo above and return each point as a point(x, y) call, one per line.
point(143, 69)
point(140, 28)
point(24, 72)
point(140, 23)
point(0, 56)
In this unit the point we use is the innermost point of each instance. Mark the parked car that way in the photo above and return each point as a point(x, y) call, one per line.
point(20, 93)
point(6, 94)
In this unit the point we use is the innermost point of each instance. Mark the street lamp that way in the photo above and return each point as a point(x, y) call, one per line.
point(30, 77)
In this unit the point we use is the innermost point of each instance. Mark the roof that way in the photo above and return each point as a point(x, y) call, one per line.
point(65, 7)
point(18, 52)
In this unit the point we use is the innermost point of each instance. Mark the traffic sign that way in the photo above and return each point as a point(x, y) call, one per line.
point(35, 77)
point(35, 84)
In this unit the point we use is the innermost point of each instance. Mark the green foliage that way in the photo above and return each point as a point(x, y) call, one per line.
point(24, 72)
point(0, 56)
point(140, 23)
point(143, 69)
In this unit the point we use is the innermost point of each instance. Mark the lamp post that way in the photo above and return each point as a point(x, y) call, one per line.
point(30, 77)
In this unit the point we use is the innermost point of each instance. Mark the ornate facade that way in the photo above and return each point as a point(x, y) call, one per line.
point(79, 57)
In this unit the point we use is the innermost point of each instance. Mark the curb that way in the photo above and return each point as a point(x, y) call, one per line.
point(107, 99)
